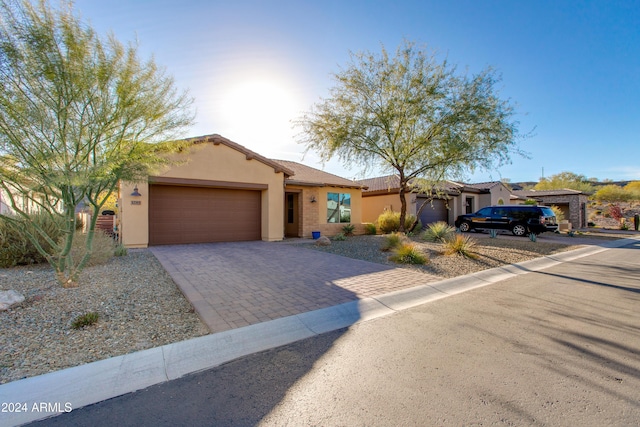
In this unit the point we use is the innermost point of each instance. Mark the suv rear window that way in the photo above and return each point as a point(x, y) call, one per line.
point(547, 211)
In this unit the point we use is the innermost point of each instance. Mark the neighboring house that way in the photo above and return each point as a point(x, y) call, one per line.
point(220, 191)
point(573, 203)
point(459, 198)
point(381, 194)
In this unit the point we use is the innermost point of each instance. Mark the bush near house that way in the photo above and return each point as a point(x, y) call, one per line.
point(389, 221)
point(17, 249)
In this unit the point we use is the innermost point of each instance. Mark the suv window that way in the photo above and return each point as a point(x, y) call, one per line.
point(547, 211)
point(484, 212)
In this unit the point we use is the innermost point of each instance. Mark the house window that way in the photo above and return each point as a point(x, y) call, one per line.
point(290, 208)
point(338, 207)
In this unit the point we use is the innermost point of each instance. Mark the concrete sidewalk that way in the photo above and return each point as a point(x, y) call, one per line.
point(83, 385)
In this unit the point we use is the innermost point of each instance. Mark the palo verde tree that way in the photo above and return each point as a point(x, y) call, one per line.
point(566, 180)
point(78, 113)
point(412, 116)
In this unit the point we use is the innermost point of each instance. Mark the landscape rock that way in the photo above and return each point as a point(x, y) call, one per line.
point(323, 241)
point(10, 298)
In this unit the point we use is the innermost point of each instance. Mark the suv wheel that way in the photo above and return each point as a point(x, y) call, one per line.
point(519, 230)
point(465, 226)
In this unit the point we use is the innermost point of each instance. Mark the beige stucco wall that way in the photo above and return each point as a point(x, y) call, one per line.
point(373, 206)
point(213, 163)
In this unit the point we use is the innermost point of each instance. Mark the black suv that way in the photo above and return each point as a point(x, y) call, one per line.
point(520, 219)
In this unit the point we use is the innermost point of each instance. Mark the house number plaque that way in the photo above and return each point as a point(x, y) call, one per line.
point(136, 202)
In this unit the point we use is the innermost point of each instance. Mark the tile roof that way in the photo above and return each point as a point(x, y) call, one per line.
point(306, 175)
point(390, 183)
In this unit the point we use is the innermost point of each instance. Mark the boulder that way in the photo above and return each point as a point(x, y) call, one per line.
point(10, 298)
point(323, 241)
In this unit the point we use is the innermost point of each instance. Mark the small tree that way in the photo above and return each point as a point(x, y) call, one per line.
point(612, 193)
point(77, 114)
point(565, 180)
point(412, 116)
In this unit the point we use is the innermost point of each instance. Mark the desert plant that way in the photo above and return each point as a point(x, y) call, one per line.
point(103, 247)
point(348, 229)
point(461, 245)
point(408, 253)
point(120, 250)
point(15, 246)
point(392, 241)
point(558, 213)
point(370, 229)
point(86, 319)
point(616, 212)
point(389, 221)
point(438, 232)
point(339, 237)
point(493, 233)
point(533, 237)
point(624, 225)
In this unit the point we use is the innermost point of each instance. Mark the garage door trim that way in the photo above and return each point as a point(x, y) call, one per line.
point(206, 183)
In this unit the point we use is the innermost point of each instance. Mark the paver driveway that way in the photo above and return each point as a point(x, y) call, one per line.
point(238, 284)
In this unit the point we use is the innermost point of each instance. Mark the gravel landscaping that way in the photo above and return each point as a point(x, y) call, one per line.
point(140, 307)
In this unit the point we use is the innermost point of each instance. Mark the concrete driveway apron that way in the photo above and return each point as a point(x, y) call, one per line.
point(231, 285)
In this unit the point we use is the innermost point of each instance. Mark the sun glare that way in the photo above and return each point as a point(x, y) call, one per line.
point(258, 111)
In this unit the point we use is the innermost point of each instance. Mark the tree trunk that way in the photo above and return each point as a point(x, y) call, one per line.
point(417, 220)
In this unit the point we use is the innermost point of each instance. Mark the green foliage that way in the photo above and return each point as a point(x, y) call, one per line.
point(15, 246)
point(348, 229)
point(558, 213)
point(392, 241)
point(370, 229)
point(408, 253)
point(624, 225)
point(493, 233)
point(438, 232)
point(121, 250)
point(428, 121)
point(79, 113)
point(613, 193)
point(564, 180)
point(340, 237)
point(461, 245)
point(533, 237)
point(634, 189)
point(389, 221)
point(84, 320)
point(531, 202)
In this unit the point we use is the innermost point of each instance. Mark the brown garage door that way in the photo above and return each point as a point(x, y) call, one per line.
point(179, 215)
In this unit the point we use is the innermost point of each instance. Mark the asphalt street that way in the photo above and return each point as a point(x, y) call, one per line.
point(556, 347)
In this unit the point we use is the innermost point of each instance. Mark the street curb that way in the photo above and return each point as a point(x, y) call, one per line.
point(105, 379)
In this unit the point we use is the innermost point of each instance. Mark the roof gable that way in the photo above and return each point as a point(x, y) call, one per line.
point(216, 139)
point(306, 175)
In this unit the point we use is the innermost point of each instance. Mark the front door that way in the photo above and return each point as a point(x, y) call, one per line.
point(291, 215)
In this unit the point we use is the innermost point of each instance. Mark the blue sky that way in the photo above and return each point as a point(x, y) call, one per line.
point(571, 67)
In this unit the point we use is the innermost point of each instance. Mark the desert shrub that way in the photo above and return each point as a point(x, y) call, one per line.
point(461, 245)
point(558, 213)
point(615, 212)
point(408, 253)
point(493, 233)
point(15, 246)
point(340, 237)
point(86, 319)
point(348, 229)
point(389, 221)
point(392, 241)
point(438, 232)
point(121, 250)
point(370, 229)
point(103, 248)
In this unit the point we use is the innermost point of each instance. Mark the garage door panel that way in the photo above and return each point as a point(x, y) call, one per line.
point(433, 212)
point(179, 215)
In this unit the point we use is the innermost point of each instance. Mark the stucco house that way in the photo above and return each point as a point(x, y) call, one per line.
point(457, 198)
point(220, 191)
point(453, 199)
